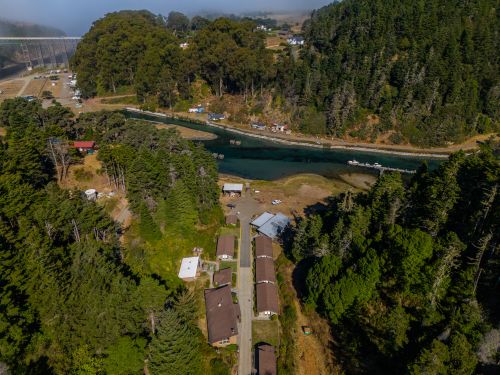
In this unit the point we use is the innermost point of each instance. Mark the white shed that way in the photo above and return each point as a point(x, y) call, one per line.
point(189, 268)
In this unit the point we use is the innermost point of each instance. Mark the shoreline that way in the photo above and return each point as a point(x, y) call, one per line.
point(304, 143)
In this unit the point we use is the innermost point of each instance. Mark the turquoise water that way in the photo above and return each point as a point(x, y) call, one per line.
point(267, 160)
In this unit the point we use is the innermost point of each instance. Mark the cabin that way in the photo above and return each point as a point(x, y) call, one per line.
point(223, 277)
point(216, 116)
point(296, 40)
point(264, 271)
point(263, 247)
point(222, 317)
point(85, 146)
point(265, 359)
point(232, 189)
point(225, 247)
point(189, 270)
point(267, 300)
point(231, 219)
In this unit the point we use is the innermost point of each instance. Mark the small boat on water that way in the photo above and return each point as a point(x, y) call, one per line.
point(353, 162)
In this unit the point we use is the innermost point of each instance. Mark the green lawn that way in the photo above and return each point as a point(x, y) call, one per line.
point(232, 265)
point(265, 331)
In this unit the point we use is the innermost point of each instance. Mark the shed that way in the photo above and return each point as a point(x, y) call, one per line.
point(267, 299)
point(266, 360)
point(225, 247)
point(232, 188)
point(223, 277)
point(231, 219)
point(221, 315)
point(189, 268)
point(263, 247)
point(262, 219)
point(264, 271)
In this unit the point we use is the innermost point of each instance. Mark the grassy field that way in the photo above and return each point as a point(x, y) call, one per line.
point(232, 265)
point(265, 331)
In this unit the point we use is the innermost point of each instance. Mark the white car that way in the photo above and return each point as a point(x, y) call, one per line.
point(276, 201)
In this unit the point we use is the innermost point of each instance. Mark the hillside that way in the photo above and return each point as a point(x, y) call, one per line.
point(427, 70)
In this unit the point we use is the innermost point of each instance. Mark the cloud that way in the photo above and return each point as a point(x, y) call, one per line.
point(76, 16)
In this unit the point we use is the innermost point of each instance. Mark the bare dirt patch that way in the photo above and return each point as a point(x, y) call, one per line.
point(93, 179)
point(10, 89)
point(359, 180)
point(187, 133)
point(35, 87)
point(3, 132)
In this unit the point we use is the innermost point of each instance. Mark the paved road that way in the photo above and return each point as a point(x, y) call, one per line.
point(246, 206)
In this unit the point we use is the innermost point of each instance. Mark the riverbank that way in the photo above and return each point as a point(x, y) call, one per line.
point(323, 143)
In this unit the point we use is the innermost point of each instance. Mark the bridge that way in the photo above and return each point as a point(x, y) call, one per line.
point(41, 51)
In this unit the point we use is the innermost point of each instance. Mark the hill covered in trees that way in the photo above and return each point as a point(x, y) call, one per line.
point(403, 71)
point(407, 275)
point(70, 302)
point(428, 70)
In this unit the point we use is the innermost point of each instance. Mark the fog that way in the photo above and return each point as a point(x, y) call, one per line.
point(76, 16)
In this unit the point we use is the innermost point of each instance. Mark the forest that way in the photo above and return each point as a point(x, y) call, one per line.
point(70, 302)
point(407, 274)
point(419, 72)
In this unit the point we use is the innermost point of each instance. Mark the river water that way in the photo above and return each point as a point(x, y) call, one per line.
point(267, 160)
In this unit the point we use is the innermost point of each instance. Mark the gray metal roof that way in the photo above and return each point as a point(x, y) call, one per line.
point(262, 219)
point(274, 226)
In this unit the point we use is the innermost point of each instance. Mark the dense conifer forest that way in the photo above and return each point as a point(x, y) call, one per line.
point(69, 301)
point(420, 72)
point(407, 275)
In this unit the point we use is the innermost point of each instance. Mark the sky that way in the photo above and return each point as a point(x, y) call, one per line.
point(76, 16)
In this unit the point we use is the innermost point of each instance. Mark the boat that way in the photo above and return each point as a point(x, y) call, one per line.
point(353, 162)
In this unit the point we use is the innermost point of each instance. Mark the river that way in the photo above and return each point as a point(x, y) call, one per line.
point(267, 160)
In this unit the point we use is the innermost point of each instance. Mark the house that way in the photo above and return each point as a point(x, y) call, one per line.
point(223, 277)
point(231, 219)
point(263, 28)
point(279, 128)
point(216, 116)
point(225, 247)
point(196, 110)
point(271, 225)
point(85, 146)
point(232, 189)
point(222, 316)
point(263, 247)
point(189, 270)
point(267, 299)
point(258, 126)
point(264, 271)
point(265, 359)
point(296, 40)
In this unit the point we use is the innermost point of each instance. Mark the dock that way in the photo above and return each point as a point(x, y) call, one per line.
point(380, 167)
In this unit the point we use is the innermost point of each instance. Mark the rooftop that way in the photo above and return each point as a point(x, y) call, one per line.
point(223, 277)
point(83, 144)
point(232, 219)
point(267, 298)
point(225, 245)
point(189, 267)
point(232, 187)
point(262, 219)
point(263, 247)
point(264, 270)
point(274, 226)
point(266, 360)
point(221, 314)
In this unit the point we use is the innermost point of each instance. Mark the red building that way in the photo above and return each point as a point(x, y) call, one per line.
point(85, 146)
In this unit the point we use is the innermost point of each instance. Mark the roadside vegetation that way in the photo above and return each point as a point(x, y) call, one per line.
point(405, 274)
point(72, 298)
